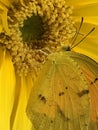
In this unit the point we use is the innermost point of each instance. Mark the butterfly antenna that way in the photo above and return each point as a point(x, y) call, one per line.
point(77, 32)
point(84, 37)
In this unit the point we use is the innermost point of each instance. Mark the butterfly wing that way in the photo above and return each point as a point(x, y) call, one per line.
point(60, 98)
point(90, 70)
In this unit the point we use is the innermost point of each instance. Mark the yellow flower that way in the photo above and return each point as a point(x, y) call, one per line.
point(22, 54)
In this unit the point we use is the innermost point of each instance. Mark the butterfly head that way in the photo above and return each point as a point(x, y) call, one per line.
point(66, 48)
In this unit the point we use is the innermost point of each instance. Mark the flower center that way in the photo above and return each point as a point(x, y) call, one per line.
point(32, 29)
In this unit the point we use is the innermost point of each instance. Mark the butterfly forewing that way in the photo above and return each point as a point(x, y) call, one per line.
point(60, 97)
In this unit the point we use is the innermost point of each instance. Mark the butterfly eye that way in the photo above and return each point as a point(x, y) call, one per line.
point(66, 48)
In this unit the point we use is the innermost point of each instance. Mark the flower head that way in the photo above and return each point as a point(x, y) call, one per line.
point(37, 28)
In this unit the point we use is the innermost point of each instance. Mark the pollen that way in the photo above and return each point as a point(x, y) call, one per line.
point(37, 28)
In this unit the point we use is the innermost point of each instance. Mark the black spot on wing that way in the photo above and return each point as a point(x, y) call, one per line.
point(97, 118)
point(66, 87)
point(91, 83)
point(42, 98)
point(39, 95)
point(44, 114)
point(86, 125)
point(94, 81)
point(83, 92)
point(61, 93)
point(51, 121)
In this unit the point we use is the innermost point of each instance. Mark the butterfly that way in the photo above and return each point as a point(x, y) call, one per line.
point(65, 94)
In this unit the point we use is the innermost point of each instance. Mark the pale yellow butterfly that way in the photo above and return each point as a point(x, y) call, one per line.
point(64, 94)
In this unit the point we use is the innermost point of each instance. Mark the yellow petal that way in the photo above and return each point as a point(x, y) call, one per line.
point(16, 1)
point(1, 27)
point(19, 119)
point(9, 3)
point(4, 21)
point(87, 10)
point(86, 27)
point(77, 3)
point(84, 8)
point(88, 19)
point(5, 3)
point(7, 85)
point(3, 18)
point(2, 56)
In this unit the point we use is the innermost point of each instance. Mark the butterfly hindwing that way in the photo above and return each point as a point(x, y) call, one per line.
point(60, 97)
point(90, 70)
